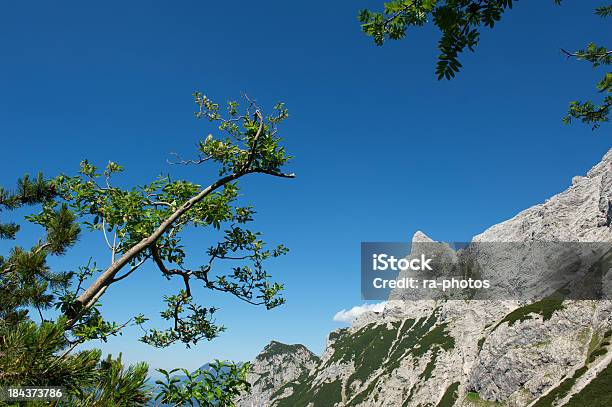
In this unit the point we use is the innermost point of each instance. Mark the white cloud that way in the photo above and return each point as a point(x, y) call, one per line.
point(358, 310)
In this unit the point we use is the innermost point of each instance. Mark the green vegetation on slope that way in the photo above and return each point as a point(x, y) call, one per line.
point(595, 394)
point(416, 339)
point(472, 398)
point(367, 348)
point(436, 340)
point(261, 377)
point(561, 390)
point(334, 335)
point(597, 347)
point(481, 342)
point(295, 385)
point(426, 374)
point(450, 396)
point(374, 347)
point(545, 307)
point(408, 399)
point(363, 395)
point(371, 349)
point(410, 336)
point(325, 395)
point(366, 340)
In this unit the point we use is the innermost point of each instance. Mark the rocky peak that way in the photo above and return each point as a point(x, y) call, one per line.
point(420, 237)
point(275, 365)
point(275, 349)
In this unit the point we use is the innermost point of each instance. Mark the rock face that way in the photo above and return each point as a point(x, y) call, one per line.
point(467, 353)
point(582, 213)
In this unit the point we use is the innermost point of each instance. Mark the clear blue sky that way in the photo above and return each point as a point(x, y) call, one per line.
point(381, 148)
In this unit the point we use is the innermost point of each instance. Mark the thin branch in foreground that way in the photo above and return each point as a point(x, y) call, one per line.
point(133, 269)
point(181, 161)
point(576, 54)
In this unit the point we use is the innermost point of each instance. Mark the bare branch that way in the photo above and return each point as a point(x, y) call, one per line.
point(576, 54)
point(96, 296)
point(180, 160)
point(273, 173)
point(114, 248)
point(161, 203)
point(255, 139)
point(42, 247)
point(134, 268)
point(105, 235)
point(160, 264)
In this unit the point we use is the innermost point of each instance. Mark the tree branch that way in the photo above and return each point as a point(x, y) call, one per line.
point(162, 267)
point(89, 297)
point(273, 173)
point(251, 157)
point(94, 290)
point(134, 268)
point(576, 54)
point(200, 160)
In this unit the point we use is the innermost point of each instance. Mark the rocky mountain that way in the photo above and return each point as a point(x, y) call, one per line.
point(551, 352)
point(276, 365)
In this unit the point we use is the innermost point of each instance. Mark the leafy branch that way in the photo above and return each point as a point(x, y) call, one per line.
point(459, 22)
point(588, 112)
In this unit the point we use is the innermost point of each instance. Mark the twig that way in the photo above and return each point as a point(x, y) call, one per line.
point(200, 160)
point(134, 268)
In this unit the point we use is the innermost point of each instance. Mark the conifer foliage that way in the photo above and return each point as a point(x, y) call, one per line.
point(41, 353)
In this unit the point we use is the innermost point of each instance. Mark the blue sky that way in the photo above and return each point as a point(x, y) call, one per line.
point(381, 148)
